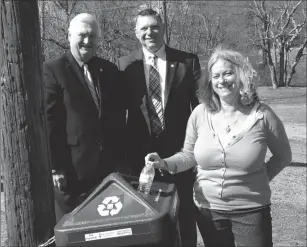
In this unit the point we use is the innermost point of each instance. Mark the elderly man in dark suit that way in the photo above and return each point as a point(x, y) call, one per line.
point(160, 84)
point(85, 115)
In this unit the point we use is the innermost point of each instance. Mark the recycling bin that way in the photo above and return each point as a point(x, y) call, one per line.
point(116, 214)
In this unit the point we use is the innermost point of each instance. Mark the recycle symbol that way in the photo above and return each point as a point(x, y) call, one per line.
point(110, 206)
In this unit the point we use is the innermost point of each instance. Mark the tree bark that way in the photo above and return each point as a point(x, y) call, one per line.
point(273, 76)
point(166, 39)
point(297, 58)
point(286, 65)
point(42, 23)
point(28, 190)
point(271, 65)
point(281, 64)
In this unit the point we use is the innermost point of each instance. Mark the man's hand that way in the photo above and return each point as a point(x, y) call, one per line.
point(59, 179)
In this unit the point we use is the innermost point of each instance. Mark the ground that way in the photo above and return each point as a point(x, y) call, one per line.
point(289, 187)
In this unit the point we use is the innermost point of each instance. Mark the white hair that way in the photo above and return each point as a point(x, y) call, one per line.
point(86, 18)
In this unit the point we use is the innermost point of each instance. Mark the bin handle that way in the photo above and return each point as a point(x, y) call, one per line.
point(48, 242)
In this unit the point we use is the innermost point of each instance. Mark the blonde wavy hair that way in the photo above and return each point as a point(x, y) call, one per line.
point(246, 75)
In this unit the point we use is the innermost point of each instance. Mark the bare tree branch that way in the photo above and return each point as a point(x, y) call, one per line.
point(59, 44)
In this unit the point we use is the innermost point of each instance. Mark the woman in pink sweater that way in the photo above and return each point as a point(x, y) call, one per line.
point(227, 139)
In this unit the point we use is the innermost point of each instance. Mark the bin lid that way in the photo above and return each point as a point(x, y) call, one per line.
point(116, 202)
point(115, 214)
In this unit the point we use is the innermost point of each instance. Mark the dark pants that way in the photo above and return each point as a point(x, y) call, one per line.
point(76, 192)
point(248, 227)
point(184, 182)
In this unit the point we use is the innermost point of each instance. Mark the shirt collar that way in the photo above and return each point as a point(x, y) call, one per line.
point(80, 63)
point(160, 53)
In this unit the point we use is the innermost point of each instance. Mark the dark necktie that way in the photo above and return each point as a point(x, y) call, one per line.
point(90, 84)
point(155, 108)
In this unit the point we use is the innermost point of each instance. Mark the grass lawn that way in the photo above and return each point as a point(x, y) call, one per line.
point(289, 187)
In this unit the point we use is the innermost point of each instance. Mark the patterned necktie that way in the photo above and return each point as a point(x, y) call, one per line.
point(155, 100)
point(90, 84)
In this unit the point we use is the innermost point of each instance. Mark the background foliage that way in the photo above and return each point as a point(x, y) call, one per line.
point(193, 26)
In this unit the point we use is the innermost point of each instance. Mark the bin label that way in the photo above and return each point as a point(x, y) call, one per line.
point(111, 205)
point(108, 234)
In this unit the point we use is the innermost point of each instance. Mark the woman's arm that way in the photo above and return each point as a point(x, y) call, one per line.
point(278, 143)
point(184, 159)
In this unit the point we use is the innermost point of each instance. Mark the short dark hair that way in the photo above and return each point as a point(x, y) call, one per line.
point(147, 12)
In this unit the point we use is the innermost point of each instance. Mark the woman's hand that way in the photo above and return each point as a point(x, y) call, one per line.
point(59, 179)
point(156, 161)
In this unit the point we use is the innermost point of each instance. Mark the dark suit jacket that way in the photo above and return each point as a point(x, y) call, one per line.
point(83, 141)
point(183, 72)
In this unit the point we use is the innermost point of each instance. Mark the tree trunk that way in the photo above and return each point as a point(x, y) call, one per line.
point(166, 39)
point(263, 45)
point(28, 190)
point(286, 65)
point(43, 29)
point(272, 66)
point(275, 56)
point(298, 56)
point(281, 65)
point(264, 59)
point(273, 76)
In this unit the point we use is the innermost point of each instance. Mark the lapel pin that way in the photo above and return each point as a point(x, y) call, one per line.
point(172, 65)
point(259, 115)
point(101, 70)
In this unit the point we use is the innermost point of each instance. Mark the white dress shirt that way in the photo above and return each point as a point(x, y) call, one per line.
point(161, 65)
